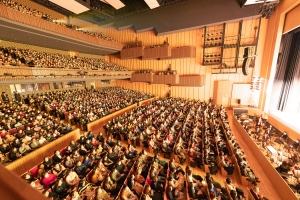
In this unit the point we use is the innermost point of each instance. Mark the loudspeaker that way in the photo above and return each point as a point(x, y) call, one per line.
point(239, 101)
point(246, 52)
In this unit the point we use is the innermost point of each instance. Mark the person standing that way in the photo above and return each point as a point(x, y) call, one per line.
point(5, 97)
point(17, 96)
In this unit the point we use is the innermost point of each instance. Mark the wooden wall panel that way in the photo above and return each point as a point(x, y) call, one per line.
point(156, 89)
point(185, 65)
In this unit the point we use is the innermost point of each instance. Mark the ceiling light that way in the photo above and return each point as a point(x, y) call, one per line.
point(71, 5)
point(152, 3)
point(117, 4)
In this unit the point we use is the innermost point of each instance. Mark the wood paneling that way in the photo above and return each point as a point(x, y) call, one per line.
point(156, 89)
point(292, 20)
point(222, 93)
point(157, 52)
point(132, 52)
point(182, 52)
point(183, 65)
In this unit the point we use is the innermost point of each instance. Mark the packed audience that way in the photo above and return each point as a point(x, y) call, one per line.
point(86, 105)
point(90, 168)
point(32, 58)
point(99, 167)
point(25, 128)
point(34, 12)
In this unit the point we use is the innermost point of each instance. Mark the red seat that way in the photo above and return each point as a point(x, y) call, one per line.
point(34, 171)
point(21, 127)
point(3, 134)
point(63, 151)
point(12, 131)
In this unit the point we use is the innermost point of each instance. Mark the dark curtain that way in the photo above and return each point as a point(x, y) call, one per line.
point(286, 83)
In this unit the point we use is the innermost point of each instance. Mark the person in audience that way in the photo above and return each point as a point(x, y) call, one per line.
point(81, 169)
point(234, 191)
point(101, 194)
point(24, 149)
point(58, 170)
point(34, 144)
point(61, 188)
point(14, 154)
point(48, 179)
point(72, 178)
point(127, 194)
point(48, 163)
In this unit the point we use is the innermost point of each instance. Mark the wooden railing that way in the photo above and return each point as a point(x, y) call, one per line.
point(182, 52)
point(157, 52)
point(142, 77)
point(96, 126)
point(32, 73)
point(191, 80)
point(166, 79)
point(132, 52)
point(17, 16)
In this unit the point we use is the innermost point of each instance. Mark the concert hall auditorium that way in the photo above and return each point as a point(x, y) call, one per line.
point(150, 99)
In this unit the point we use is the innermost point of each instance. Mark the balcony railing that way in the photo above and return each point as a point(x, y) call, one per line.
point(17, 16)
point(8, 73)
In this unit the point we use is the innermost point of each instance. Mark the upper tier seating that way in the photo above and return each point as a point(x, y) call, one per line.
point(34, 12)
point(31, 58)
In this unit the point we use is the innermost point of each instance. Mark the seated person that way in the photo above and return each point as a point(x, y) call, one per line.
point(59, 170)
point(81, 169)
point(283, 168)
point(127, 194)
point(16, 143)
point(136, 187)
point(112, 155)
point(61, 188)
point(194, 192)
point(57, 157)
point(69, 162)
point(48, 179)
point(97, 177)
point(101, 194)
point(48, 163)
point(41, 171)
point(72, 178)
point(5, 148)
point(37, 185)
point(34, 144)
point(116, 176)
point(28, 177)
point(111, 186)
point(24, 149)
point(107, 162)
point(231, 187)
point(83, 151)
point(14, 154)
point(3, 159)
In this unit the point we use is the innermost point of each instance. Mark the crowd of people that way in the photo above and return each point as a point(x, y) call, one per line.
point(32, 58)
point(187, 129)
point(25, 128)
point(86, 105)
point(98, 168)
point(34, 12)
